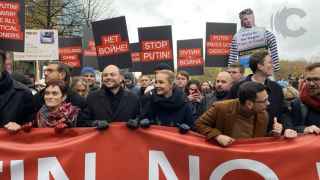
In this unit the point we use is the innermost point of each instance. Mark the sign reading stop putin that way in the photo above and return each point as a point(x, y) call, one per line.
point(112, 42)
point(12, 25)
point(156, 47)
point(190, 56)
point(218, 41)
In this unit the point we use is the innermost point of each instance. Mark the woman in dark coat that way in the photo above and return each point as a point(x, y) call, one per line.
point(166, 105)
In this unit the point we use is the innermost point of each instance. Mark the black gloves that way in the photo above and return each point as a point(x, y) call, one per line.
point(183, 128)
point(101, 125)
point(133, 124)
point(145, 123)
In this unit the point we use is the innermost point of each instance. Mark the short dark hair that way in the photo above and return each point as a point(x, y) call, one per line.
point(312, 66)
point(237, 65)
point(244, 12)
point(248, 91)
point(63, 68)
point(257, 58)
point(61, 84)
point(193, 81)
point(184, 73)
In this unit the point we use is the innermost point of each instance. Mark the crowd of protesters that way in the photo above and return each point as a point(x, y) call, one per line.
point(229, 107)
point(234, 106)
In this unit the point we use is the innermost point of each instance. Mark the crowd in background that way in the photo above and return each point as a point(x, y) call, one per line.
point(223, 109)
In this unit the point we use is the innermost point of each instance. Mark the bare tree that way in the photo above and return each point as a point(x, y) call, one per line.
point(94, 10)
point(68, 16)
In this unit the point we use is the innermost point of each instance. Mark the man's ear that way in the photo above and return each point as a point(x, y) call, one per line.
point(249, 104)
point(62, 75)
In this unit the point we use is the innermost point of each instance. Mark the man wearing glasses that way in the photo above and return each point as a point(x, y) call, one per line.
point(305, 110)
point(251, 38)
point(59, 71)
point(261, 65)
point(245, 117)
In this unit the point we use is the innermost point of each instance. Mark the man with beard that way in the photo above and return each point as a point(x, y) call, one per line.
point(16, 107)
point(261, 66)
point(245, 117)
point(222, 86)
point(305, 111)
point(111, 103)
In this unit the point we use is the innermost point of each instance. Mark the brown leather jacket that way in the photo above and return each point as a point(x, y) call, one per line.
point(228, 118)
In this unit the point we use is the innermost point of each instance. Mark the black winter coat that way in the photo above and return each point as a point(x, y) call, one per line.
point(15, 102)
point(170, 111)
point(100, 108)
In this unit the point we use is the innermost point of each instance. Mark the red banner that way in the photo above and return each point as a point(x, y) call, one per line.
point(154, 154)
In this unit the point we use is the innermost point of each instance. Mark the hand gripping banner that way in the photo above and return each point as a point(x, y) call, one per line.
point(157, 153)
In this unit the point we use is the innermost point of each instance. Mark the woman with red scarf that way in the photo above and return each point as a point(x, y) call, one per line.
point(305, 111)
point(56, 113)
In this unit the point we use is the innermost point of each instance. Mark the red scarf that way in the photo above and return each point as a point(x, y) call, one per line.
point(313, 102)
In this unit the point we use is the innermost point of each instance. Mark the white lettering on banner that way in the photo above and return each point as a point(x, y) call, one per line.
point(17, 170)
point(50, 165)
point(318, 168)
point(248, 164)
point(158, 158)
point(1, 166)
point(90, 166)
point(194, 167)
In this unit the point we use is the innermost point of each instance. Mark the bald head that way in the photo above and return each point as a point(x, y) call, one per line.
point(111, 68)
point(223, 82)
point(111, 77)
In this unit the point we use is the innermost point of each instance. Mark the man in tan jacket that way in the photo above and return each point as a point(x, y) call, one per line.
point(245, 117)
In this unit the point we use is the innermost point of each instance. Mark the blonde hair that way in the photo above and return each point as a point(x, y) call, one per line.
point(169, 74)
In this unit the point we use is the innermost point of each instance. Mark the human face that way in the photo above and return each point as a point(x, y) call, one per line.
point(81, 89)
point(261, 103)
point(111, 77)
point(266, 67)
point(89, 78)
point(193, 89)
point(181, 81)
point(223, 82)
point(144, 81)
point(312, 80)
point(235, 74)
point(247, 21)
point(53, 97)
point(162, 85)
point(51, 73)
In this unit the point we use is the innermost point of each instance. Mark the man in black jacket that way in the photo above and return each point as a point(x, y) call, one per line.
point(111, 103)
point(15, 101)
point(261, 66)
point(58, 71)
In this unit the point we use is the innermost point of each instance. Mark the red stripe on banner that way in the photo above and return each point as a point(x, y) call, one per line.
point(154, 154)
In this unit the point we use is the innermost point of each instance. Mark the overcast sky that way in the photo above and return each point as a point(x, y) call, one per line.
point(188, 19)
